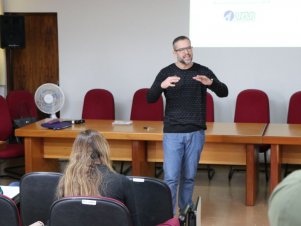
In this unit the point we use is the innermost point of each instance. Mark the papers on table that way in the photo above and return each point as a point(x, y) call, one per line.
point(120, 122)
point(10, 191)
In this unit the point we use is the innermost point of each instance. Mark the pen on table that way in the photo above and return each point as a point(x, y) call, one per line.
point(146, 128)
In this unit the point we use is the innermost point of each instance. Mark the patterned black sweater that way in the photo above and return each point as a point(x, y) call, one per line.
point(185, 109)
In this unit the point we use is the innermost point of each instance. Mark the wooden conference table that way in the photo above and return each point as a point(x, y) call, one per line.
point(141, 143)
point(285, 140)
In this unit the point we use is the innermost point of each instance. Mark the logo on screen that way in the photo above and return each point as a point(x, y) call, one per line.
point(245, 16)
point(229, 15)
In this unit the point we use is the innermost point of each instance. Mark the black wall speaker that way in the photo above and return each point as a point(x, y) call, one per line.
point(12, 31)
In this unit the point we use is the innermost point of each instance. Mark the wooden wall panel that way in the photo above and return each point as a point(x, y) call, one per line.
point(38, 62)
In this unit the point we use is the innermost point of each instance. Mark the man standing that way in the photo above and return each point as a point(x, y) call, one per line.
point(184, 84)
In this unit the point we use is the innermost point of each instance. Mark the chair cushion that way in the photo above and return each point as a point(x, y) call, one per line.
point(171, 222)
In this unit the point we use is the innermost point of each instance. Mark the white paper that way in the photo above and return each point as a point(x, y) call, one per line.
point(120, 122)
point(10, 191)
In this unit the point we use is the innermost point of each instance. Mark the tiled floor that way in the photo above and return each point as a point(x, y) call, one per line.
point(223, 203)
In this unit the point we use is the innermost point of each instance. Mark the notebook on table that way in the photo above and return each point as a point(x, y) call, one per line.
point(57, 125)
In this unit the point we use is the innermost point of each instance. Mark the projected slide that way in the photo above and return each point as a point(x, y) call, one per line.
point(245, 23)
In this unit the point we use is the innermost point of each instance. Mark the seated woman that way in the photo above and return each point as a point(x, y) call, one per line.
point(89, 172)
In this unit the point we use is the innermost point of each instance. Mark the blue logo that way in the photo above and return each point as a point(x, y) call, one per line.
point(229, 15)
point(243, 16)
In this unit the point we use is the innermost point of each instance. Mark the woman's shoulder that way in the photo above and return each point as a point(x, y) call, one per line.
point(112, 175)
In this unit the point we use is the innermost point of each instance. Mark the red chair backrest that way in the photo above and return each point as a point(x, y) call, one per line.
point(6, 127)
point(98, 104)
point(294, 109)
point(21, 104)
point(209, 108)
point(142, 110)
point(252, 105)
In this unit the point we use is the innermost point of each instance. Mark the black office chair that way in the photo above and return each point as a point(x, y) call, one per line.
point(153, 201)
point(37, 193)
point(90, 211)
point(9, 214)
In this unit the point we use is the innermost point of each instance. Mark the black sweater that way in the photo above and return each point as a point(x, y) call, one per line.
point(118, 186)
point(185, 109)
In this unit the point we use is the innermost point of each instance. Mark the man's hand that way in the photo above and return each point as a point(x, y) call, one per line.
point(170, 82)
point(203, 79)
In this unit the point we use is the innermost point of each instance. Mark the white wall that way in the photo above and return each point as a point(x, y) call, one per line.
point(275, 70)
point(3, 91)
point(122, 45)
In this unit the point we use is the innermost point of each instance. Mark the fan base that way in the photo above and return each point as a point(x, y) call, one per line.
point(53, 115)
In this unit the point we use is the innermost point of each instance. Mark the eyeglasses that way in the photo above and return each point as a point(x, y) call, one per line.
point(181, 50)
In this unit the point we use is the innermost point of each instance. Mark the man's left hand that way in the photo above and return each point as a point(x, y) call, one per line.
point(203, 79)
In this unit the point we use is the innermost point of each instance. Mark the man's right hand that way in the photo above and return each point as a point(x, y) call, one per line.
point(170, 82)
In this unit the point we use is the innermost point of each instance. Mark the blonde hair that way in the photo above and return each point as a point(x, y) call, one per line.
point(82, 177)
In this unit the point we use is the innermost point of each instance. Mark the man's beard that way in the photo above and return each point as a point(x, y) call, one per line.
point(186, 62)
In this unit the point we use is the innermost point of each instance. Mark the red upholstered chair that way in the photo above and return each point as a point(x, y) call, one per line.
point(294, 109)
point(142, 110)
point(252, 106)
point(98, 104)
point(21, 104)
point(293, 115)
point(8, 151)
point(209, 108)
point(209, 118)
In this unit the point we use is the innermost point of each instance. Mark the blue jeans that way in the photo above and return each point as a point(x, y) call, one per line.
point(181, 157)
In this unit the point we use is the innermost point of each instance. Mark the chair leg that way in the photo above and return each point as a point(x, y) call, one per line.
point(121, 167)
point(158, 170)
point(126, 171)
point(10, 176)
point(16, 175)
point(266, 167)
point(289, 168)
point(286, 170)
point(211, 172)
point(231, 171)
